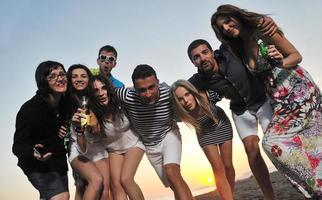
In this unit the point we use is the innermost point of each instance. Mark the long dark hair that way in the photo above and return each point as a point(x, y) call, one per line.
point(247, 19)
point(112, 109)
point(74, 96)
point(71, 89)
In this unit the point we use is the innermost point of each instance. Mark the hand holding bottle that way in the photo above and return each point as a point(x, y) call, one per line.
point(274, 53)
point(85, 120)
point(270, 52)
point(77, 117)
point(62, 132)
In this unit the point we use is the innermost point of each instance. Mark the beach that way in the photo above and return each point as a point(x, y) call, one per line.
point(247, 189)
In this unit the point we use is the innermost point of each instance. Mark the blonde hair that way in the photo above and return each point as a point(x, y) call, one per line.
point(201, 101)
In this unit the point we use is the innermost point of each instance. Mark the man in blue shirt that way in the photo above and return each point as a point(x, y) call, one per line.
point(106, 61)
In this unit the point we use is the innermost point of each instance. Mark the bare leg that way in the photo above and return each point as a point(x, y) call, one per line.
point(131, 163)
point(88, 170)
point(103, 167)
point(226, 155)
point(218, 168)
point(80, 185)
point(116, 162)
point(61, 196)
point(258, 166)
point(177, 184)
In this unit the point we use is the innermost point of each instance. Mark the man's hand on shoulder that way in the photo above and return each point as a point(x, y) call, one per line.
point(267, 26)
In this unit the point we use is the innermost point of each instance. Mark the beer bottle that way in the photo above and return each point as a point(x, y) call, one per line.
point(86, 117)
point(66, 137)
point(262, 47)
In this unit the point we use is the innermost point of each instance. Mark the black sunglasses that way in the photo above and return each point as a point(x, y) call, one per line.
point(106, 58)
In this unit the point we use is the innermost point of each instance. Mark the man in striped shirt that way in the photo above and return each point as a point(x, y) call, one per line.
point(150, 111)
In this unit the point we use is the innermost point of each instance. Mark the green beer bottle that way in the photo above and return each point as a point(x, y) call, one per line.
point(66, 137)
point(262, 47)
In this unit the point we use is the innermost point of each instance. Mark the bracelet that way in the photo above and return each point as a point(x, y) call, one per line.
point(79, 134)
point(78, 131)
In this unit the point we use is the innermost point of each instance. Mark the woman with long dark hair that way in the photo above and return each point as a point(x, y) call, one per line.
point(293, 139)
point(124, 146)
point(90, 162)
point(41, 153)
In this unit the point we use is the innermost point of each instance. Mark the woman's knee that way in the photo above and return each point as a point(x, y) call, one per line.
point(218, 169)
point(116, 184)
point(229, 166)
point(127, 180)
point(96, 180)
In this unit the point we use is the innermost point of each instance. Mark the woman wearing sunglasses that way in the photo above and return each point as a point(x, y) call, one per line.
point(213, 128)
point(41, 153)
point(90, 165)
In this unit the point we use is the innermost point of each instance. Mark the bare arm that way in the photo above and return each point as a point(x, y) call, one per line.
point(81, 139)
point(82, 142)
point(291, 56)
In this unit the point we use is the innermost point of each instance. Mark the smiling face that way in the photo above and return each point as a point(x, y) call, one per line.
point(186, 99)
point(57, 80)
point(100, 92)
point(148, 89)
point(229, 26)
point(79, 79)
point(203, 58)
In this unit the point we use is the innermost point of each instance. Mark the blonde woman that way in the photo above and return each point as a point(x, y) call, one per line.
point(213, 128)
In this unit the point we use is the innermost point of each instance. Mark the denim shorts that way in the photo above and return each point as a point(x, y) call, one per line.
point(48, 184)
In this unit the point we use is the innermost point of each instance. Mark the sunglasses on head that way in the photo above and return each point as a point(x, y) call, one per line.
point(106, 58)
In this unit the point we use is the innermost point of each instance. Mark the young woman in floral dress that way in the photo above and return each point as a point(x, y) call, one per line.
point(293, 140)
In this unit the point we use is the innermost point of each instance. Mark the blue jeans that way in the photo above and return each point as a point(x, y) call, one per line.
point(48, 184)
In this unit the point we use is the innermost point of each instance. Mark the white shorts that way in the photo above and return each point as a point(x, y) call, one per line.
point(247, 123)
point(166, 152)
point(139, 144)
point(95, 151)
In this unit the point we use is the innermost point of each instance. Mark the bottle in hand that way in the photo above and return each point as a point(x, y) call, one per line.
point(262, 47)
point(86, 117)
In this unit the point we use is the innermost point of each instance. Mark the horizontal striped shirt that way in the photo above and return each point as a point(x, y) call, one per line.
point(211, 132)
point(151, 122)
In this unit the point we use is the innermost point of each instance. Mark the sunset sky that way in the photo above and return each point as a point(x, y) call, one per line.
point(155, 32)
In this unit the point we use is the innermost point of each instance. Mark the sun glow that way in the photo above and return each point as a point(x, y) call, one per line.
point(210, 180)
point(206, 179)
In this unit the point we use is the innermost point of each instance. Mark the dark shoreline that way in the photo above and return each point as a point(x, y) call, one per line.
point(247, 189)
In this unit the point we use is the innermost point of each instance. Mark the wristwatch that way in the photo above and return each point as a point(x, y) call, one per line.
point(79, 134)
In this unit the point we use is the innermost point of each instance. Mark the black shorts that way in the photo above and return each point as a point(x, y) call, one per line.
point(48, 184)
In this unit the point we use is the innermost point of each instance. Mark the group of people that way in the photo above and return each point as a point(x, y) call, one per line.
point(126, 122)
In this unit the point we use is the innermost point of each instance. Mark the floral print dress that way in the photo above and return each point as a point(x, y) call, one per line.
point(293, 139)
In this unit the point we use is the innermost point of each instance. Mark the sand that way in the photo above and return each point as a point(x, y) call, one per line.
point(247, 189)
